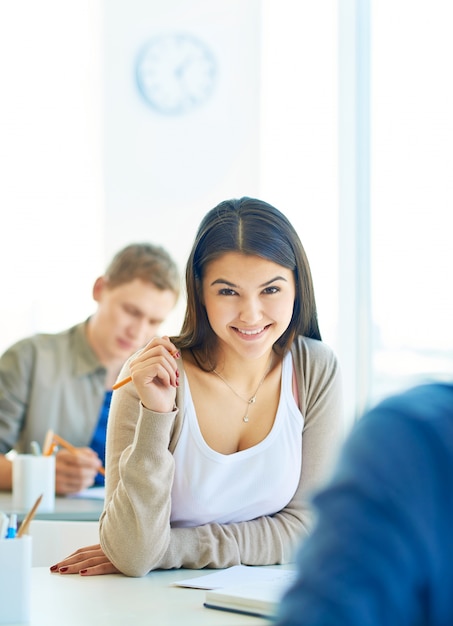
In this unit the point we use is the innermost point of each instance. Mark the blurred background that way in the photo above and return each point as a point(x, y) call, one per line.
point(337, 112)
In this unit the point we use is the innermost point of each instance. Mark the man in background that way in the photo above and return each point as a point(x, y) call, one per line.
point(63, 382)
point(381, 551)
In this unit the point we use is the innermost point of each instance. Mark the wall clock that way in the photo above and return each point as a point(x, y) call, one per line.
point(176, 73)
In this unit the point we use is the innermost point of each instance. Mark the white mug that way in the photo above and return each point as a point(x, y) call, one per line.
point(33, 475)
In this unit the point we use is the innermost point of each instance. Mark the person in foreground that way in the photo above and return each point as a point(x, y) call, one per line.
point(224, 431)
point(381, 551)
point(63, 382)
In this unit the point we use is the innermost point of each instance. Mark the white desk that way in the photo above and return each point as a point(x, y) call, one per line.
point(68, 509)
point(117, 600)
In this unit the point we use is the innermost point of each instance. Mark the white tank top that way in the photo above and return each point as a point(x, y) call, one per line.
point(213, 487)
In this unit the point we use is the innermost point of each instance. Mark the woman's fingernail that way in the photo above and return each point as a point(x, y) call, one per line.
point(83, 571)
point(63, 569)
point(54, 568)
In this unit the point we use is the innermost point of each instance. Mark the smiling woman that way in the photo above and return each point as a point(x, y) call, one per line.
point(247, 318)
point(252, 313)
point(205, 482)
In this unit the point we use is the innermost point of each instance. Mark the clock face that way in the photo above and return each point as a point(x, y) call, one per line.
point(176, 73)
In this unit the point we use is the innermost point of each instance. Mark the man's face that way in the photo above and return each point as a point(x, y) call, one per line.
point(128, 316)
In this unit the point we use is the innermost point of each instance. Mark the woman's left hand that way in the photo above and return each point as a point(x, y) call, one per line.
point(88, 561)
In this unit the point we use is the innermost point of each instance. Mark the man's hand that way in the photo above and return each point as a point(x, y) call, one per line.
point(75, 471)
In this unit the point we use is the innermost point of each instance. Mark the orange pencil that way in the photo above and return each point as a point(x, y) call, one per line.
point(57, 440)
point(65, 444)
point(128, 379)
point(122, 382)
point(49, 445)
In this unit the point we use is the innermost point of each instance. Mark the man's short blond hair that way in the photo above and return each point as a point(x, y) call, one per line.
point(148, 262)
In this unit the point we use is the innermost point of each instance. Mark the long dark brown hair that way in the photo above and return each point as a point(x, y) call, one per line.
point(251, 227)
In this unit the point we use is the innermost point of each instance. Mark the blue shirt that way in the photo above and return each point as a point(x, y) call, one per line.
point(98, 440)
point(381, 553)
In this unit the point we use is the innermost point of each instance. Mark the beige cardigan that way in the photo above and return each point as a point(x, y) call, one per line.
point(135, 530)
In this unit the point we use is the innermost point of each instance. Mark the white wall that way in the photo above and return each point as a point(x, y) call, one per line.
point(164, 171)
point(51, 188)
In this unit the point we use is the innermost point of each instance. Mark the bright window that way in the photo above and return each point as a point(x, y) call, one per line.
point(411, 193)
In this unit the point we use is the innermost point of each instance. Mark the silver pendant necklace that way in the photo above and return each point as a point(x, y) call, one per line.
point(248, 401)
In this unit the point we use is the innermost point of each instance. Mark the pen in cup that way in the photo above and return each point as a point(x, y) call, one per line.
point(35, 448)
point(23, 528)
point(11, 531)
point(48, 445)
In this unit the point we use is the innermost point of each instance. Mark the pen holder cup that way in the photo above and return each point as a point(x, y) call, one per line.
point(33, 475)
point(15, 579)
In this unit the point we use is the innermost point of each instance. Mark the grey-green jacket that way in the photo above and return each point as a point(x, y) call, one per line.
point(50, 381)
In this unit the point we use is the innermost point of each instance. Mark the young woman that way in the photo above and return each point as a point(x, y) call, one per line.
point(224, 431)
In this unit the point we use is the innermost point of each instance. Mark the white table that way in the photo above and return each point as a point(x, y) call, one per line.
point(116, 600)
point(69, 509)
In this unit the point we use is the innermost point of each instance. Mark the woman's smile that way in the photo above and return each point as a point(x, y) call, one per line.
point(248, 299)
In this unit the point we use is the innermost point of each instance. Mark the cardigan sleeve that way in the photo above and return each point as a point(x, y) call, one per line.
point(136, 534)
point(135, 522)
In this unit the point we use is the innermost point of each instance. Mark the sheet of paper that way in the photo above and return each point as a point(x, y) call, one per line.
point(92, 493)
point(236, 575)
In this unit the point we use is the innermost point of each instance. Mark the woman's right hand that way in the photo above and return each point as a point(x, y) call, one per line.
point(155, 374)
point(88, 561)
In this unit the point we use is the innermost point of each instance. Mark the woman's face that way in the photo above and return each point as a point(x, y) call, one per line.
point(249, 302)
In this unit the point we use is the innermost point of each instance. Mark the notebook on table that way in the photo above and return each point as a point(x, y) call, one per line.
point(260, 598)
